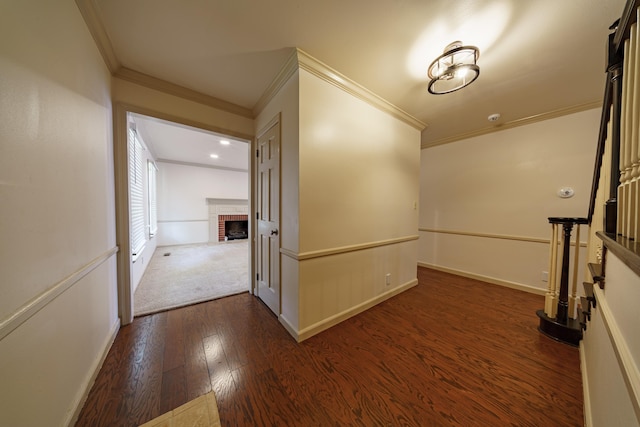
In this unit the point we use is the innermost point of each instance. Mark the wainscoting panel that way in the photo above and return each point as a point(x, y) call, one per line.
point(333, 288)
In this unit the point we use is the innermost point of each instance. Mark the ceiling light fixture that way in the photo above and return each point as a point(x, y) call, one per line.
point(454, 69)
point(224, 142)
point(213, 156)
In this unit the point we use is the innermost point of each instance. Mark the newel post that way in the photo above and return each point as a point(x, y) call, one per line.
point(559, 324)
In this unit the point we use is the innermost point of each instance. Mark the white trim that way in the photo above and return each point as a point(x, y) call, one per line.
point(493, 236)
point(515, 123)
point(325, 324)
point(288, 69)
point(300, 59)
point(628, 368)
point(493, 280)
point(99, 33)
point(211, 201)
point(289, 327)
point(301, 256)
point(330, 75)
point(72, 417)
point(25, 312)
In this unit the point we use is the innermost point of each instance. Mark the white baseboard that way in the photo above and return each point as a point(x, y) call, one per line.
point(325, 324)
point(81, 399)
point(493, 280)
point(289, 327)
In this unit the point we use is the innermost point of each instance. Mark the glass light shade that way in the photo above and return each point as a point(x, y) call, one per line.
point(454, 69)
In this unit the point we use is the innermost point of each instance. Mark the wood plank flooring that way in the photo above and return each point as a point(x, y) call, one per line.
point(449, 352)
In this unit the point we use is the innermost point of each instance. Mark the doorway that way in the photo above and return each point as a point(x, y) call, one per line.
point(184, 182)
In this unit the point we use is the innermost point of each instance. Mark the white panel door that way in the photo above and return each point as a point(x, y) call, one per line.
point(268, 217)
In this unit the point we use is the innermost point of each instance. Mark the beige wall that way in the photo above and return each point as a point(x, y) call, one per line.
point(505, 184)
point(58, 287)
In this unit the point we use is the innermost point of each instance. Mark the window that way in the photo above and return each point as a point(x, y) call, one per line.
point(153, 209)
point(136, 196)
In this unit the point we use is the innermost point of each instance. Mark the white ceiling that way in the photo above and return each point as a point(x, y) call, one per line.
point(536, 56)
point(184, 144)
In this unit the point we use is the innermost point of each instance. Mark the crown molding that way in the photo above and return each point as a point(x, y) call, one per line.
point(151, 82)
point(328, 74)
point(288, 69)
point(299, 59)
point(99, 34)
point(91, 17)
point(515, 123)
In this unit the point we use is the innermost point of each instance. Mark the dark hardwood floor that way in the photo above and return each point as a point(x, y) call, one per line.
point(449, 352)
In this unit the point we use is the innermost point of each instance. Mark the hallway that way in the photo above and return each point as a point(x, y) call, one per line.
point(435, 354)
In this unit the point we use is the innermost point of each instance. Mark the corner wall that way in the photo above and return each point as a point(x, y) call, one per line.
point(58, 312)
point(359, 171)
point(484, 201)
point(349, 174)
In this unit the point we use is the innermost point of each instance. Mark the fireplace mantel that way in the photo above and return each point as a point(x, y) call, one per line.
point(227, 201)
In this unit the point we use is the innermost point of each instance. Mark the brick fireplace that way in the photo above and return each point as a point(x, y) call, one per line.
point(225, 210)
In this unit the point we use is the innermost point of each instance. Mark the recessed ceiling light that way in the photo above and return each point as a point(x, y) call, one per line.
point(224, 142)
point(213, 156)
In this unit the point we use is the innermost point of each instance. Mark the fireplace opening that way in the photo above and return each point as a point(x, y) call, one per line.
point(233, 227)
point(234, 230)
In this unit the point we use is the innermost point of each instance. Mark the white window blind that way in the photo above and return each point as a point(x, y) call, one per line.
point(136, 196)
point(153, 207)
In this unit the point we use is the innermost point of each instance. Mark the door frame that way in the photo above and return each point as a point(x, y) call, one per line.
point(121, 195)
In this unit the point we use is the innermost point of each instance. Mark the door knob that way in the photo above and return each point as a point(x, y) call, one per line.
point(274, 232)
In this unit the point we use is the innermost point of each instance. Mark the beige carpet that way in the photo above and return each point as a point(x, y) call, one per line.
point(191, 274)
point(200, 412)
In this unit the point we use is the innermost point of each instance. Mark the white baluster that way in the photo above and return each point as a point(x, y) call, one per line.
point(634, 231)
point(625, 132)
point(551, 299)
point(631, 147)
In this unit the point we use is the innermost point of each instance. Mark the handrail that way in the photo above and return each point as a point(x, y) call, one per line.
point(622, 170)
point(602, 137)
point(627, 19)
